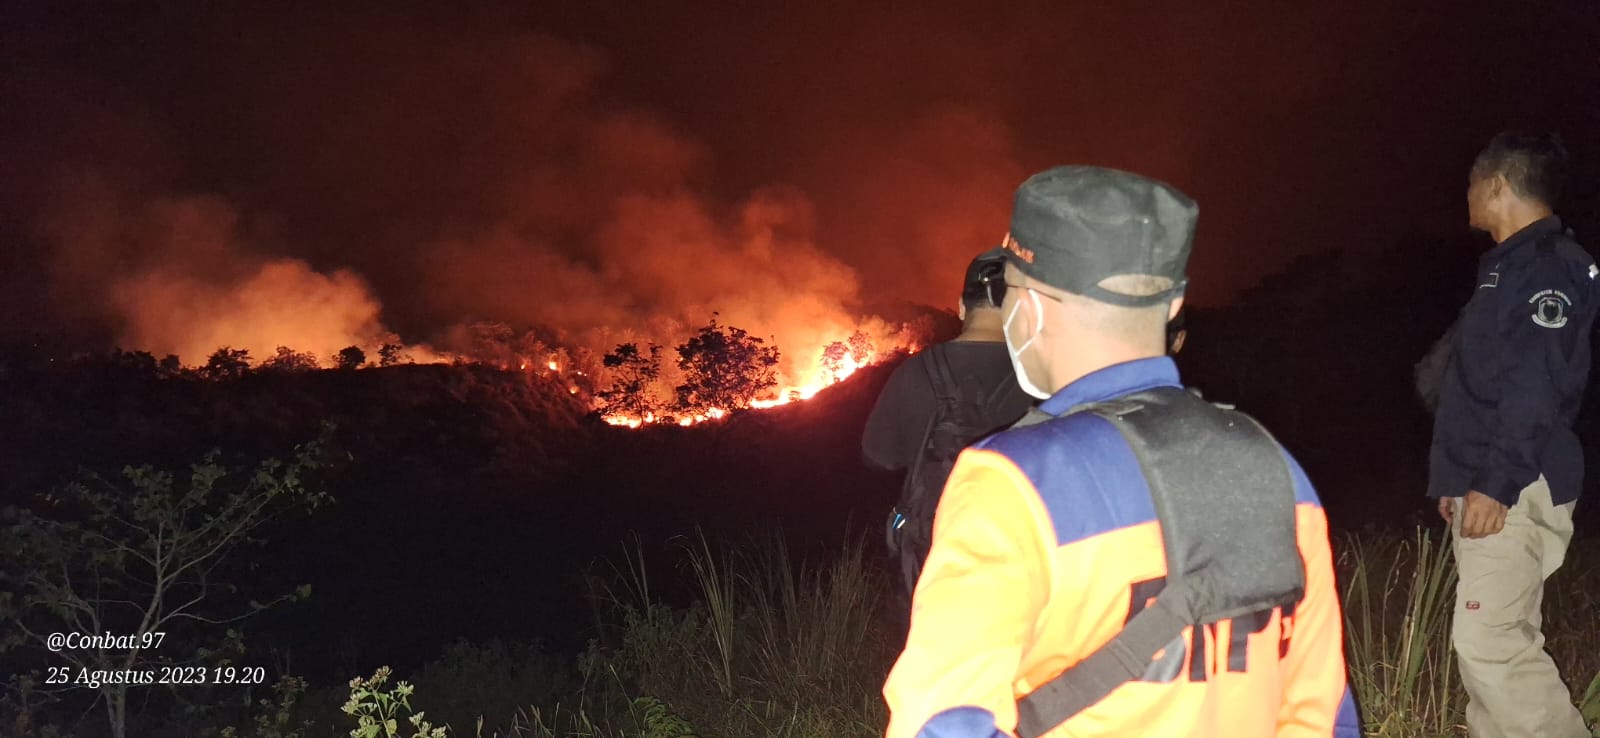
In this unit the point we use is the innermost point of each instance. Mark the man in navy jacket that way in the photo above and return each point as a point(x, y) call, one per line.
point(1505, 463)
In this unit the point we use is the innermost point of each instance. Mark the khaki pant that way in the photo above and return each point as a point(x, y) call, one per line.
point(1513, 685)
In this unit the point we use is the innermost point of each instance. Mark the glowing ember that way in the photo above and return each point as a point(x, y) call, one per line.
point(715, 413)
point(553, 366)
point(631, 422)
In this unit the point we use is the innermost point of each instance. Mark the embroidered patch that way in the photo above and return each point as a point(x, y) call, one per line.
point(1023, 252)
point(1550, 308)
point(1472, 604)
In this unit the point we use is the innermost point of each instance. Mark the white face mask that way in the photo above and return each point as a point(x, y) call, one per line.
point(1016, 351)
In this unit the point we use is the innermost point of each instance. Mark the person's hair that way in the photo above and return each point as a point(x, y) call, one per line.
point(1535, 164)
point(1126, 323)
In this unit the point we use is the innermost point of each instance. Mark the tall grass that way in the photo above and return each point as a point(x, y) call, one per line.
point(1572, 619)
point(1398, 598)
point(774, 648)
point(765, 646)
point(813, 624)
point(798, 653)
point(1591, 704)
point(715, 578)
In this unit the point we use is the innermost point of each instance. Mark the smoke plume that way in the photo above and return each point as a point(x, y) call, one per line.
point(188, 173)
point(433, 179)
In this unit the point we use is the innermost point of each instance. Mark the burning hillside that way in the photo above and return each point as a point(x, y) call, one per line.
point(723, 368)
point(477, 190)
point(556, 228)
point(716, 370)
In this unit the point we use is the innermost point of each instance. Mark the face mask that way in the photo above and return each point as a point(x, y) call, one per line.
point(1016, 352)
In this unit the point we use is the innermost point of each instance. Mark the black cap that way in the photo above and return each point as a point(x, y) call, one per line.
point(985, 283)
point(1073, 227)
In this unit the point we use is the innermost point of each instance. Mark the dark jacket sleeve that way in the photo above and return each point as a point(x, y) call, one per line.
point(901, 411)
point(1537, 332)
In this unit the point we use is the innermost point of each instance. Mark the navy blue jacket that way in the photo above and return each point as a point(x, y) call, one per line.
point(1518, 366)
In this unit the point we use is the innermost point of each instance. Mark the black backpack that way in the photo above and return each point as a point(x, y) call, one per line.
point(1429, 372)
point(965, 413)
point(1224, 496)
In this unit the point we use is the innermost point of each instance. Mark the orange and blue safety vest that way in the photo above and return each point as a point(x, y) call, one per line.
point(1046, 543)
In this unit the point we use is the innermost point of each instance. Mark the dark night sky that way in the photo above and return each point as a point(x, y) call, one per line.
point(583, 164)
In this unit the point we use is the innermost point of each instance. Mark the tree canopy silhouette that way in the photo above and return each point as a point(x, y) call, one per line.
point(634, 376)
point(724, 368)
point(350, 357)
point(390, 354)
point(227, 363)
point(833, 356)
point(290, 360)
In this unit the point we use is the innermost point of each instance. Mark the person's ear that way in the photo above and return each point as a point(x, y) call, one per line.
point(961, 311)
point(1498, 184)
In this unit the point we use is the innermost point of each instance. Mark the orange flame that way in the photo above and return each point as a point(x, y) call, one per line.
point(786, 395)
point(808, 391)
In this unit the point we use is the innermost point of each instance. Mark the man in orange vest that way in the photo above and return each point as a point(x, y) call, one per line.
point(1047, 542)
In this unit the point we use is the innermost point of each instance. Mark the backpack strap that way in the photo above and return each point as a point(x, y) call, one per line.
point(1001, 391)
point(1034, 416)
point(1121, 660)
point(1228, 531)
point(938, 369)
point(941, 376)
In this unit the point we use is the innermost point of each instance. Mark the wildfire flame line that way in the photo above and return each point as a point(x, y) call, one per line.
point(787, 395)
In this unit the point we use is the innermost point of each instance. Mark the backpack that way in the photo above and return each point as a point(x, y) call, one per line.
point(964, 413)
point(1429, 372)
point(1224, 496)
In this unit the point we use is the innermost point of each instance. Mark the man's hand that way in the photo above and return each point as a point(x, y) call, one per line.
point(1481, 515)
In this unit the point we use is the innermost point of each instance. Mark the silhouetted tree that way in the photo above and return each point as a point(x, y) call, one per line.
point(170, 366)
point(833, 356)
point(136, 362)
point(145, 556)
point(861, 346)
point(390, 354)
point(350, 357)
point(227, 363)
point(724, 368)
point(633, 381)
point(290, 360)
